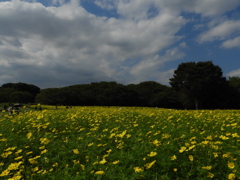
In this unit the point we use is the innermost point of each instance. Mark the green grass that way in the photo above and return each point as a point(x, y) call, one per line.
point(125, 144)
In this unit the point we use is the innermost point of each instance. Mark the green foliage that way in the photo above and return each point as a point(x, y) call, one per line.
point(200, 85)
point(235, 82)
point(22, 97)
point(5, 94)
point(23, 87)
point(18, 92)
point(113, 143)
point(193, 86)
point(110, 94)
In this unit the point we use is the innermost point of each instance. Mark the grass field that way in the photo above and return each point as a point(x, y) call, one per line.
point(119, 144)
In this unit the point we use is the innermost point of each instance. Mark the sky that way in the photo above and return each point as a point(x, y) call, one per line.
point(57, 43)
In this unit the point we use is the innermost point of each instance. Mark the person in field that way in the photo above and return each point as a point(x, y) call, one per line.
point(12, 109)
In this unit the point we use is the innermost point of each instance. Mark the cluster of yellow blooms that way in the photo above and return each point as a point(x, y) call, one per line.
point(96, 141)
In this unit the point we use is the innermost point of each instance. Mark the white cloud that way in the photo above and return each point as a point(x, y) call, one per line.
point(65, 44)
point(211, 7)
point(68, 40)
point(106, 4)
point(231, 43)
point(221, 31)
point(149, 68)
point(139, 8)
point(234, 73)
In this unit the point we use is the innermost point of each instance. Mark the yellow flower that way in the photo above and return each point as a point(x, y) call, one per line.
point(175, 169)
point(223, 137)
point(207, 167)
point(29, 135)
point(76, 162)
point(55, 164)
point(44, 151)
point(122, 134)
point(35, 169)
point(156, 142)
point(191, 147)
point(215, 147)
point(44, 141)
point(82, 166)
point(149, 165)
point(42, 147)
point(211, 175)
point(138, 169)
point(190, 157)
point(32, 161)
point(103, 161)
point(90, 144)
point(75, 151)
point(18, 152)
point(36, 157)
point(152, 154)
point(100, 172)
point(14, 166)
point(182, 149)
point(10, 149)
point(4, 173)
point(205, 142)
point(231, 176)
point(173, 157)
point(231, 165)
point(15, 177)
point(17, 158)
point(116, 162)
point(6, 154)
point(225, 155)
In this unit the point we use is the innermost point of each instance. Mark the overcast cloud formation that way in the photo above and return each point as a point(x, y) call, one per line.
point(58, 43)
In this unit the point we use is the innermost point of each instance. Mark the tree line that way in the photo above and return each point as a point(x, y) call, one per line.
point(194, 85)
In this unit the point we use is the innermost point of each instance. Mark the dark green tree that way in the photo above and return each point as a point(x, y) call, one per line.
point(200, 85)
point(21, 97)
point(5, 94)
point(235, 82)
point(32, 89)
point(234, 92)
point(153, 94)
point(49, 96)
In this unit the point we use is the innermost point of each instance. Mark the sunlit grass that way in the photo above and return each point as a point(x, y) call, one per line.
point(120, 143)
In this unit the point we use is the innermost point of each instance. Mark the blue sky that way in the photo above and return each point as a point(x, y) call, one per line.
point(56, 43)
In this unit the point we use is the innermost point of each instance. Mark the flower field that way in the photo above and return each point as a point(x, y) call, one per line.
point(120, 144)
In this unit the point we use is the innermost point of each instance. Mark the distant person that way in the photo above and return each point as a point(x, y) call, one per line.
point(12, 109)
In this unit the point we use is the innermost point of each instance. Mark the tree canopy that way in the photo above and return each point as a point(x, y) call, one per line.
point(18, 92)
point(200, 85)
point(194, 85)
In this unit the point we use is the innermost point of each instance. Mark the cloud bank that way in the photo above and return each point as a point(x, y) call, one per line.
point(61, 43)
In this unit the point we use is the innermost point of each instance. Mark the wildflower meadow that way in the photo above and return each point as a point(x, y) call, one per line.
point(113, 143)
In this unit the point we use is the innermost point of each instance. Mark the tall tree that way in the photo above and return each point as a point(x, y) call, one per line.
point(23, 87)
point(234, 92)
point(200, 85)
point(21, 97)
point(234, 81)
point(5, 94)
